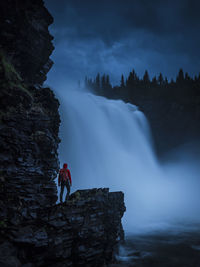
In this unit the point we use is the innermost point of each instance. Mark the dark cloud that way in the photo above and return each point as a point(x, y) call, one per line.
point(115, 36)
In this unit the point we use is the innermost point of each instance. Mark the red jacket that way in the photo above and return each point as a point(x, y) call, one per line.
point(64, 174)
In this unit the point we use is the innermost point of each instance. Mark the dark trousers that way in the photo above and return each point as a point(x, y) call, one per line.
point(63, 185)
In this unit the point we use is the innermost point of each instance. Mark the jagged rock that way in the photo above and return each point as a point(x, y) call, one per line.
point(8, 255)
point(25, 37)
point(34, 230)
point(79, 235)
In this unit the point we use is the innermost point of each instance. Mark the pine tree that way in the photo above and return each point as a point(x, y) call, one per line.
point(180, 77)
point(97, 82)
point(198, 79)
point(103, 82)
point(187, 77)
point(131, 79)
point(172, 81)
point(107, 84)
point(154, 81)
point(160, 79)
point(122, 84)
point(146, 79)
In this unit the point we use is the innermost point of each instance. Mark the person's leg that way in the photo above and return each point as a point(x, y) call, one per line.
point(68, 190)
point(61, 192)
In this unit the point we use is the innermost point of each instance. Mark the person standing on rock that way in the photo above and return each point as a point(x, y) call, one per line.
point(64, 180)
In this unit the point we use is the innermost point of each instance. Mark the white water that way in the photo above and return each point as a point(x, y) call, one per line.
point(107, 143)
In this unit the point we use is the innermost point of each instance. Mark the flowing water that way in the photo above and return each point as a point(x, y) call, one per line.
point(107, 143)
point(172, 247)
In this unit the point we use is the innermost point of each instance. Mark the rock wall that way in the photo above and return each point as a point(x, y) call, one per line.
point(25, 37)
point(83, 232)
point(34, 230)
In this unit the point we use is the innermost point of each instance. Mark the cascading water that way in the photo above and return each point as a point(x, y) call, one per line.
point(107, 143)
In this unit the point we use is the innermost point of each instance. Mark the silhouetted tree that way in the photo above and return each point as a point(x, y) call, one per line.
point(97, 82)
point(198, 79)
point(103, 81)
point(180, 77)
point(131, 79)
point(146, 79)
point(122, 84)
point(107, 80)
point(187, 77)
point(160, 79)
point(154, 81)
point(107, 84)
point(133, 89)
point(172, 81)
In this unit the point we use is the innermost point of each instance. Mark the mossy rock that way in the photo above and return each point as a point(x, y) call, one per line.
point(3, 224)
point(9, 77)
point(8, 68)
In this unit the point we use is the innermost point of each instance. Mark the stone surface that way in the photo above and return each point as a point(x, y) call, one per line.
point(84, 231)
point(25, 37)
point(28, 140)
point(34, 230)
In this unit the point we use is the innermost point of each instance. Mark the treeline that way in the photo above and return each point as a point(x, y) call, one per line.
point(134, 89)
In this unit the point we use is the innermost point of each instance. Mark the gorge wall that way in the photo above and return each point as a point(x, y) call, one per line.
point(34, 231)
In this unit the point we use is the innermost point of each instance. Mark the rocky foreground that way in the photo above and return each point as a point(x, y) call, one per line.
point(83, 232)
point(34, 230)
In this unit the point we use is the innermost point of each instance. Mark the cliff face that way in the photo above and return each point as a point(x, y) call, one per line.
point(34, 231)
point(83, 232)
point(28, 139)
point(25, 37)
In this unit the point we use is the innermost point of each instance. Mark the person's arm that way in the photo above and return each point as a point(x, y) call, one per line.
point(70, 178)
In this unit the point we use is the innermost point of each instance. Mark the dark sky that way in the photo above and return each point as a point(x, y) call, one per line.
point(115, 36)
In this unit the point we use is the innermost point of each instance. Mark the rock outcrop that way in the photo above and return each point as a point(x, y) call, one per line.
point(28, 140)
point(25, 38)
point(83, 232)
point(34, 230)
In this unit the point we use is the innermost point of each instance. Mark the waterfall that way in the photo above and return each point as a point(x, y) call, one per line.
point(107, 143)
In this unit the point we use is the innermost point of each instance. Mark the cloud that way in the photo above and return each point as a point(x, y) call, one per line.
point(117, 36)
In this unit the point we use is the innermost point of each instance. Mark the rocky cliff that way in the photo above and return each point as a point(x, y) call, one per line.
point(83, 232)
point(25, 37)
point(34, 230)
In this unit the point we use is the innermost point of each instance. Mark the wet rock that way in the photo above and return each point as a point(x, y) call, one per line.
point(8, 255)
point(25, 37)
point(34, 230)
